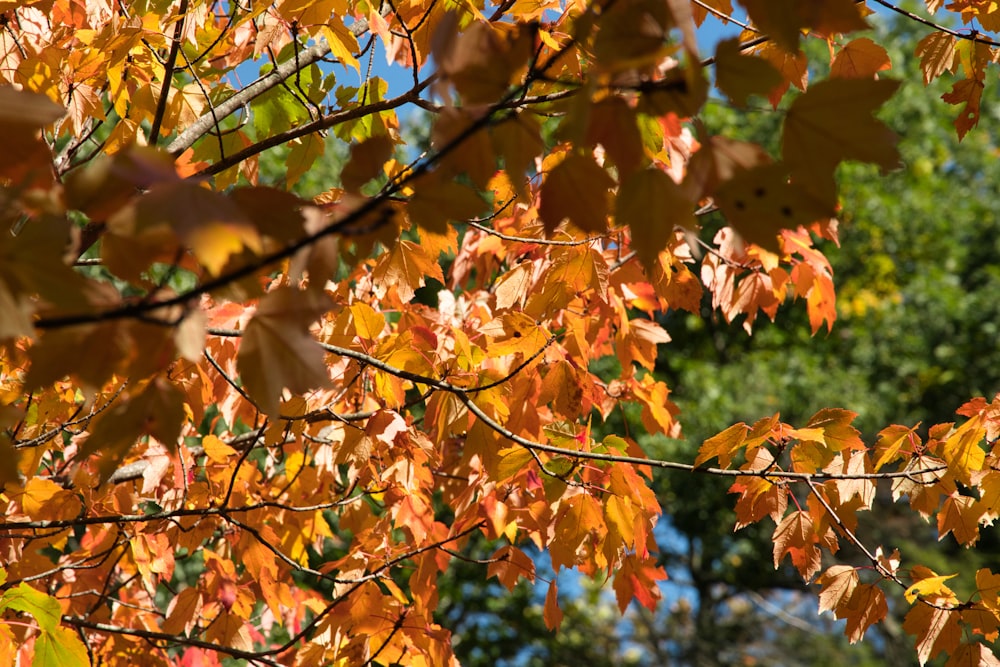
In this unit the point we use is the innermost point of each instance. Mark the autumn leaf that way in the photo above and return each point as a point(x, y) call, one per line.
point(832, 122)
point(637, 578)
point(739, 75)
point(407, 266)
point(860, 58)
point(838, 585)
point(725, 446)
point(438, 200)
point(760, 202)
point(43, 608)
point(796, 537)
point(509, 565)
point(577, 189)
point(653, 206)
point(366, 161)
point(277, 350)
point(552, 615)
point(157, 410)
point(61, 647)
point(937, 54)
point(937, 630)
point(969, 93)
point(866, 607)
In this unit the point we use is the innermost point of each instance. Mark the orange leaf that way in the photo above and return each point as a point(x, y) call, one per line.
point(970, 93)
point(866, 608)
point(552, 615)
point(509, 564)
point(859, 59)
point(838, 585)
point(937, 54)
point(43, 499)
point(407, 266)
point(960, 516)
point(832, 122)
point(936, 630)
point(725, 445)
point(637, 579)
point(796, 537)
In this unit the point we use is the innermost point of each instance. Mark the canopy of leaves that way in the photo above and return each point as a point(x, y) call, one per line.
point(240, 422)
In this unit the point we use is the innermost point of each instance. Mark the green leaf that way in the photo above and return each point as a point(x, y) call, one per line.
point(44, 608)
point(60, 647)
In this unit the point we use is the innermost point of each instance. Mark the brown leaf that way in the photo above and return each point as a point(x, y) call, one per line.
point(579, 190)
point(277, 350)
point(739, 75)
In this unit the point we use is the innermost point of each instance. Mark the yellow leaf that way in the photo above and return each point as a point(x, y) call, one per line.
point(725, 445)
point(367, 323)
point(44, 499)
point(929, 584)
point(216, 450)
point(512, 461)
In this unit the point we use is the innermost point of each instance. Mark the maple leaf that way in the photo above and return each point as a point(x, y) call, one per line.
point(739, 75)
point(278, 352)
point(760, 202)
point(866, 607)
point(968, 92)
point(937, 630)
point(407, 266)
point(157, 410)
point(637, 579)
point(795, 536)
point(937, 54)
point(577, 189)
point(366, 161)
point(784, 20)
point(725, 445)
point(838, 585)
point(860, 58)
point(509, 564)
point(653, 206)
point(832, 122)
point(552, 614)
point(438, 200)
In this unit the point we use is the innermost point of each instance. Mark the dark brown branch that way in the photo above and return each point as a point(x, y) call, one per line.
point(168, 74)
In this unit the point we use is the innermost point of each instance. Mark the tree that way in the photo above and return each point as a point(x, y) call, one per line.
point(241, 422)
